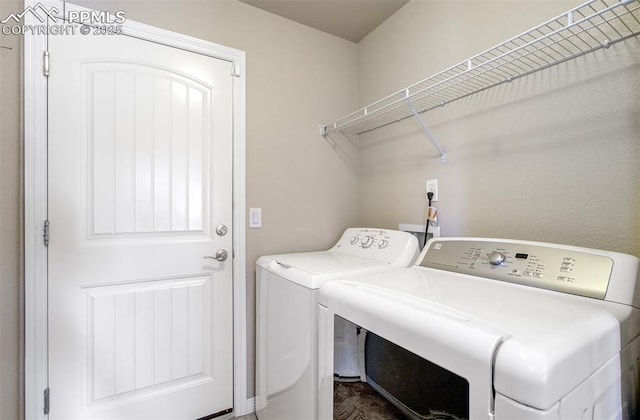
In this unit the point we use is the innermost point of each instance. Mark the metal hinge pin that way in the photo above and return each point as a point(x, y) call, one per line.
point(45, 233)
point(46, 401)
point(45, 63)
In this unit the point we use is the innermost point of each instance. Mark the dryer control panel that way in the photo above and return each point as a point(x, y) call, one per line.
point(534, 264)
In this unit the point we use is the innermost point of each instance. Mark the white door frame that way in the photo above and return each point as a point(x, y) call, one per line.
point(35, 206)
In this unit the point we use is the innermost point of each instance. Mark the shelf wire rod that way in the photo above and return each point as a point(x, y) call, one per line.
point(588, 32)
point(475, 81)
point(539, 55)
point(559, 43)
point(423, 111)
point(553, 43)
point(587, 37)
point(580, 30)
point(545, 51)
point(502, 73)
point(461, 97)
point(483, 79)
point(627, 26)
point(561, 29)
point(482, 73)
point(517, 64)
point(593, 9)
point(597, 26)
point(474, 92)
point(622, 22)
point(443, 155)
point(579, 42)
point(486, 74)
point(630, 13)
point(544, 46)
point(578, 22)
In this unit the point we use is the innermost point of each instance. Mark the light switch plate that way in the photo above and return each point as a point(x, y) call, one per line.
point(255, 217)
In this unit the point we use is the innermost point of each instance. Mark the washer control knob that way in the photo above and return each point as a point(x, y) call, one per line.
point(354, 240)
point(367, 241)
point(496, 258)
point(383, 243)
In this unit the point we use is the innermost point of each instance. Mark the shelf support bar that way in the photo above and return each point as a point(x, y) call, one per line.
point(443, 155)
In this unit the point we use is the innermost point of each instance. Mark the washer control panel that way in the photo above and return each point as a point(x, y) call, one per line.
point(370, 238)
point(533, 264)
point(379, 244)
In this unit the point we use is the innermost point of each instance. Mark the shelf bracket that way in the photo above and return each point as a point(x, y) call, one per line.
point(443, 155)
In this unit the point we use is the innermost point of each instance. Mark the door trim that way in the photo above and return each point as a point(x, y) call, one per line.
point(35, 205)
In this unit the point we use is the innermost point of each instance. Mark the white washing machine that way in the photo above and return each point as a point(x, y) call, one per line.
point(521, 330)
point(287, 313)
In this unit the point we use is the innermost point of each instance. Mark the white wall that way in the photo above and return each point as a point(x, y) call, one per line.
point(11, 320)
point(554, 156)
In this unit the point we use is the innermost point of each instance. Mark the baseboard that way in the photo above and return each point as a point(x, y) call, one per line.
point(248, 407)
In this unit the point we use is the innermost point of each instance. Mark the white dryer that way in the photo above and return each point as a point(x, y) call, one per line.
point(287, 313)
point(523, 330)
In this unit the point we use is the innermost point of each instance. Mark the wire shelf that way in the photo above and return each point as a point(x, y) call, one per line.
point(591, 26)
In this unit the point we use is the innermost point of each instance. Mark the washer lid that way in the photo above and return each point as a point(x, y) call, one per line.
point(311, 269)
point(326, 262)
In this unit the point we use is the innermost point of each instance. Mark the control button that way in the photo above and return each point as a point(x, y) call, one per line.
point(367, 241)
point(383, 243)
point(496, 258)
point(527, 273)
point(537, 275)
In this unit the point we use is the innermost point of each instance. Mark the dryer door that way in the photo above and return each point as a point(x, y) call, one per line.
point(448, 338)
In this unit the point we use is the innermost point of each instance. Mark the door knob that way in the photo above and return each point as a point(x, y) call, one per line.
point(221, 255)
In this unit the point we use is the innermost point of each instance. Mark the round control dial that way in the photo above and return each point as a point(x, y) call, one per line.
point(354, 240)
point(367, 241)
point(496, 258)
point(382, 243)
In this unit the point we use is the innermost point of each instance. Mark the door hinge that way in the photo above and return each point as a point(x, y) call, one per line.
point(46, 401)
point(45, 233)
point(45, 63)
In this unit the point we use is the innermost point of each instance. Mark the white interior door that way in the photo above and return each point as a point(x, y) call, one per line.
point(140, 176)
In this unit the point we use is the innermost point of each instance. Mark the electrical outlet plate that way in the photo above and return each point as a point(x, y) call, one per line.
point(432, 186)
